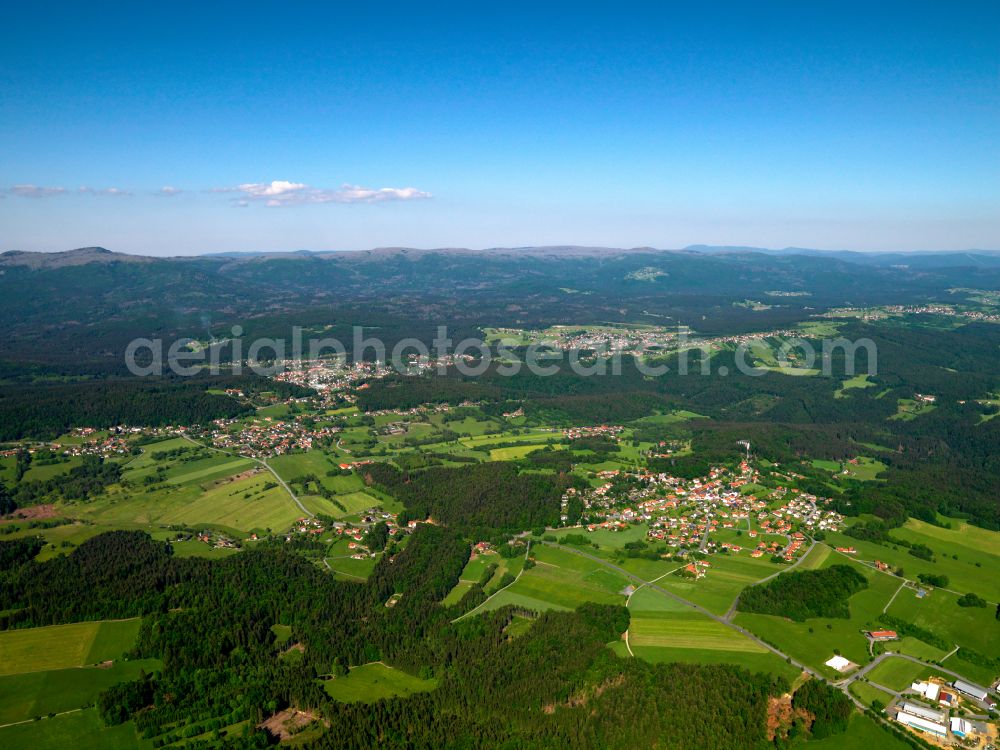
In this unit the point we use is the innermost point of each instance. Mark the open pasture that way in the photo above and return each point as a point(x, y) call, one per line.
point(723, 582)
point(80, 730)
point(62, 646)
point(562, 580)
point(24, 696)
point(218, 502)
point(963, 574)
point(813, 642)
point(371, 682)
point(899, 674)
point(973, 627)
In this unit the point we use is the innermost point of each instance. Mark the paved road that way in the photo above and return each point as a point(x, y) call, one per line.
point(698, 608)
point(258, 461)
point(483, 603)
point(732, 608)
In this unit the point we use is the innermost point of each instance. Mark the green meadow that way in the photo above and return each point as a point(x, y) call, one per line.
point(973, 627)
point(62, 646)
point(898, 674)
point(371, 682)
point(561, 580)
point(80, 730)
point(24, 696)
point(862, 734)
point(231, 503)
point(814, 641)
point(664, 630)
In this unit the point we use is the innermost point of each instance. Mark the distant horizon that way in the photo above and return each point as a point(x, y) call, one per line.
point(791, 250)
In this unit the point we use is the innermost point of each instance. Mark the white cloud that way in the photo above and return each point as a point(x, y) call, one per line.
point(169, 191)
point(279, 193)
point(84, 190)
point(35, 191)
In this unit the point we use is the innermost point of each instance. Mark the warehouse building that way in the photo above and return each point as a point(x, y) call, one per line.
point(924, 712)
point(973, 691)
point(960, 727)
point(921, 724)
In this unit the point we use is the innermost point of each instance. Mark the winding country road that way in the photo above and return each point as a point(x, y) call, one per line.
point(259, 461)
point(732, 608)
point(698, 608)
point(843, 684)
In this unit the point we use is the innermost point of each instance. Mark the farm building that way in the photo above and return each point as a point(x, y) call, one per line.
point(882, 635)
point(921, 724)
point(973, 691)
point(960, 727)
point(924, 712)
point(839, 663)
point(929, 690)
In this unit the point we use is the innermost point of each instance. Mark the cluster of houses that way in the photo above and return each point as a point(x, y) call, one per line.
point(268, 437)
point(684, 514)
point(625, 340)
point(609, 431)
point(331, 376)
point(88, 441)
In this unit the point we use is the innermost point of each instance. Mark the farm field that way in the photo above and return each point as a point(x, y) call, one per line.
point(901, 673)
point(664, 630)
point(24, 696)
point(375, 681)
point(813, 642)
point(815, 558)
point(40, 472)
point(80, 730)
point(217, 501)
point(725, 579)
point(862, 734)
point(517, 451)
point(963, 574)
point(561, 580)
point(348, 567)
point(867, 693)
point(913, 647)
point(973, 627)
point(976, 671)
point(62, 646)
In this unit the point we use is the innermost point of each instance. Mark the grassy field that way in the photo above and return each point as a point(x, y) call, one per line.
point(977, 672)
point(352, 569)
point(664, 630)
point(858, 381)
point(204, 498)
point(24, 696)
point(900, 673)
point(813, 642)
point(964, 574)
point(862, 734)
point(42, 472)
point(372, 682)
point(725, 579)
point(913, 647)
point(514, 452)
point(816, 558)
point(869, 693)
point(81, 730)
point(562, 580)
point(972, 627)
point(62, 646)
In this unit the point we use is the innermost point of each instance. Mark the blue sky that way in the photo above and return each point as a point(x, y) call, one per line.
point(278, 126)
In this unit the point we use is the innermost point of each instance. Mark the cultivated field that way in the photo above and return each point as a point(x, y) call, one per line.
point(61, 646)
point(562, 580)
